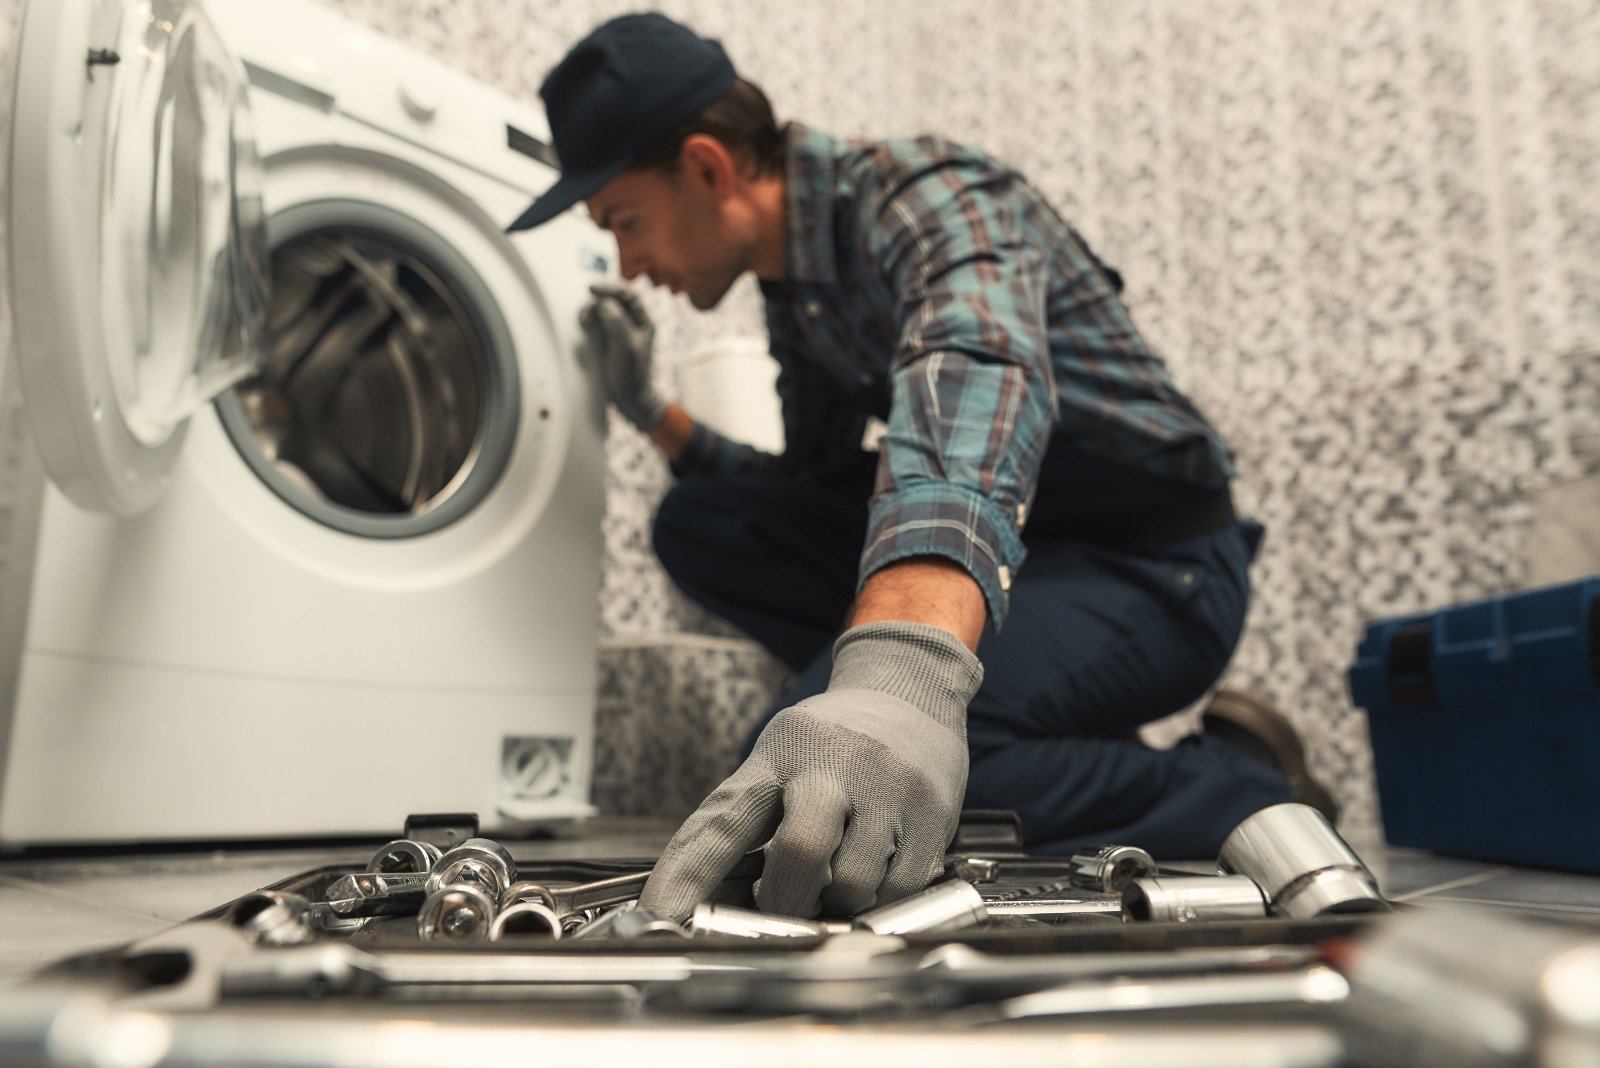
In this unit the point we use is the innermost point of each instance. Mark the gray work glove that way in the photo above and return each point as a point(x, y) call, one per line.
point(859, 789)
point(619, 338)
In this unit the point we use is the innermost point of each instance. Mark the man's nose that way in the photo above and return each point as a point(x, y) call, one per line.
point(630, 263)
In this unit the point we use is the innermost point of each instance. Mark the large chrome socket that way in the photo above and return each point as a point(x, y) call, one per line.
point(404, 856)
point(949, 906)
point(1109, 869)
point(526, 918)
point(1473, 989)
point(459, 912)
point(1188, 899)
point(479, 861)
point(1301, 864)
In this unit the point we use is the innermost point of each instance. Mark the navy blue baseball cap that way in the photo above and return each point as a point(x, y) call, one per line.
point(632, 81)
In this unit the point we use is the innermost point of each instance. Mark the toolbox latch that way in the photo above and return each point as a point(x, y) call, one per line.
point(443, 829)
point(1411, 667)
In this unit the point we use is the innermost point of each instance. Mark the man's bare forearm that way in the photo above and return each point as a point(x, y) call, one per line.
point(924, 589)
point(671, 435)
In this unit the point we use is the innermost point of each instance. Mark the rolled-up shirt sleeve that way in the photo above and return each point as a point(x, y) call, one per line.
point(973, 394)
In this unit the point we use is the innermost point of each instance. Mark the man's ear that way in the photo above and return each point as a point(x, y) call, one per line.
point(708, 163)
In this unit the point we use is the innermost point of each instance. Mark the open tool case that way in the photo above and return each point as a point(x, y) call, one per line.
point(1011, 970)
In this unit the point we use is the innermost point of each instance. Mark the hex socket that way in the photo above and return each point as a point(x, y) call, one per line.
point(1190, 899)
point(526, 918)
point(1301, 864)
point(949, 906)
point(481, 861)
point(1109, 869)
point(404, 856)
point(458, 912)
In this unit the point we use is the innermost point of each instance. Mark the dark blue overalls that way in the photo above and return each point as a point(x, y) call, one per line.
point(1111, 627)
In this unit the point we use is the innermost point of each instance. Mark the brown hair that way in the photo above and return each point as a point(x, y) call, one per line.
point(741, 118)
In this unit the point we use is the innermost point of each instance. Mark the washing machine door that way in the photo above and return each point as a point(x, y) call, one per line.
point(137, 248)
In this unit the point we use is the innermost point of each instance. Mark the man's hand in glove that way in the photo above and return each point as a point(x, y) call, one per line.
point(619, 337)
point(859, 789)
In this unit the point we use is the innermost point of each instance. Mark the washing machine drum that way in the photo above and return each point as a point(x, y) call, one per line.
point(373, 394)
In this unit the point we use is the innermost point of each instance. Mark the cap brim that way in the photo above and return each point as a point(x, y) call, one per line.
point(568, 190)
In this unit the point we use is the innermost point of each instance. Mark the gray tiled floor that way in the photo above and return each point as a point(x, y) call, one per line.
point(56, 906)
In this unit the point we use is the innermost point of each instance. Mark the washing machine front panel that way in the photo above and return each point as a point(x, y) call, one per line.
point(138, 254)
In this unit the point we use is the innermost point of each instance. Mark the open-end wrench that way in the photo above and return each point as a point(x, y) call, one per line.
point(618, 890)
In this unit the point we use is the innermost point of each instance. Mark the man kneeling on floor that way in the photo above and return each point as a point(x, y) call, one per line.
point(926, 285)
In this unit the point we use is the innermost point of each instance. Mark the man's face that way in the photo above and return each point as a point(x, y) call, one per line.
point(672, 228)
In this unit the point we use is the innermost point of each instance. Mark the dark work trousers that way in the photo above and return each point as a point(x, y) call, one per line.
point(1098, 642)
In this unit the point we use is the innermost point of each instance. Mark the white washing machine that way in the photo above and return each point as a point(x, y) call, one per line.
point(321, 541)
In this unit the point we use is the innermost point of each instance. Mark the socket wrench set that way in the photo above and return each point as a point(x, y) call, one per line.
point(442, 932)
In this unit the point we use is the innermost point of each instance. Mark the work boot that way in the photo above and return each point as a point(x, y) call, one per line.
point(1265, 734)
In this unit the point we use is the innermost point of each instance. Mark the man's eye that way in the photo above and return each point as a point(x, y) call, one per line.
point(627, 226)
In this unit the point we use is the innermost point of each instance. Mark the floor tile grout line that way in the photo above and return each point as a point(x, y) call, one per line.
point(1529, 906)
point(80, 899)
point(1453, 884)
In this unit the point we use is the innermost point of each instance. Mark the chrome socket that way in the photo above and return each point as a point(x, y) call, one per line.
point(1301, 864)
point(404, 856)
point(949, 906)
point(459, 912)
point(1190, 899)
point(1109, 869)
point(479, 861)
point(273, 918)
point(526, 918)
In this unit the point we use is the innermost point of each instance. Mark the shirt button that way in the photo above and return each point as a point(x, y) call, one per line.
point(813, 308)
point(867, 378)
point(1005, 577)
point(1186, 577)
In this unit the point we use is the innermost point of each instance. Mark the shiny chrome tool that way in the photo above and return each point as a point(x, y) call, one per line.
point(1471, 988)
point(458, 912)
point(567, 900)
point(629, 921)
point(1109, 869)
point(949, 906)
point(479, 861)
point(404, 856)
point(526, 918)
point(1053, 908)
point(273, 918)
point(735, 922)
point(1314, 985)
point(1186, 899)
point(1301, 864)
point(367, 894)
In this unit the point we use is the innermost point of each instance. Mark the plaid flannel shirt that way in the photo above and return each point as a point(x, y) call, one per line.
point(930, 286)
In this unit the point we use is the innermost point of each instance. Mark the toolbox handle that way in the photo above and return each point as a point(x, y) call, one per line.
point(1411, 666)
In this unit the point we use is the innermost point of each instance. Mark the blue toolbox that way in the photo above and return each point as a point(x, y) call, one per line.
point(1485, 721)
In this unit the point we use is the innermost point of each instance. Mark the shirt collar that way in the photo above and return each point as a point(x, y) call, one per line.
point(808, 167)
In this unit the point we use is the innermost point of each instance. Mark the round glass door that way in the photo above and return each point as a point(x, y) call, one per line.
point(138, 252)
